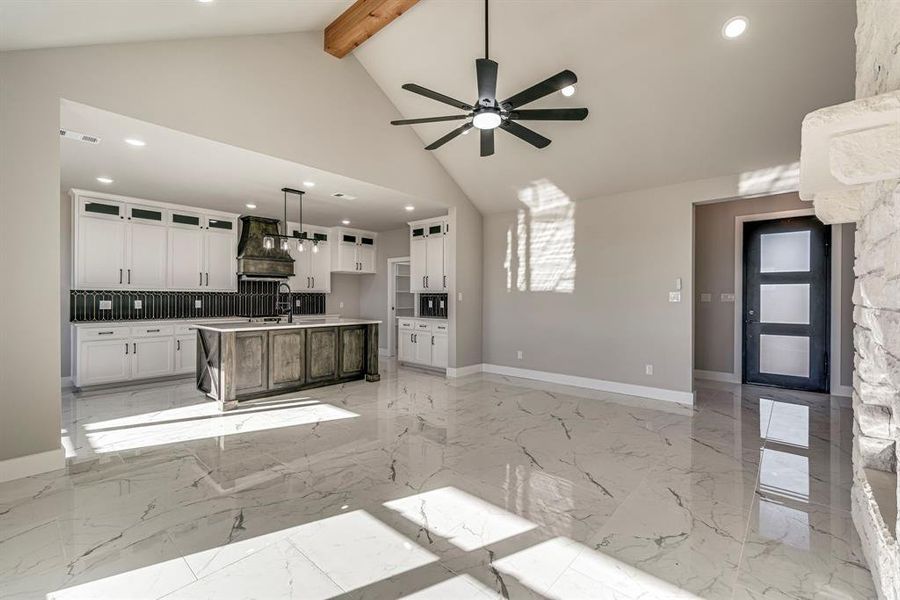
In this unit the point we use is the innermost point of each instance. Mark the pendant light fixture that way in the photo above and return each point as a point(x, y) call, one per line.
point(284, 240)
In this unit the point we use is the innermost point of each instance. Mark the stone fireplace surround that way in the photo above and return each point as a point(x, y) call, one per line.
point(850, 170)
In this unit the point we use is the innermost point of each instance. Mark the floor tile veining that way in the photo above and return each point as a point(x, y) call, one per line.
point(422, 487)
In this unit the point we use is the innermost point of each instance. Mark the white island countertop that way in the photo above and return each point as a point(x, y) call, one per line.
point(302, 324)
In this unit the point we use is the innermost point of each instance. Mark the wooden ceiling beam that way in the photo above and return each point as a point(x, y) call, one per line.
point(360, 22)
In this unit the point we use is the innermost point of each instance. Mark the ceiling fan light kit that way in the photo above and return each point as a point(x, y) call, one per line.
point(487, 114)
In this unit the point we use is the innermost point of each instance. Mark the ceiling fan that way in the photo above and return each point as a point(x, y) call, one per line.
point(487, 113)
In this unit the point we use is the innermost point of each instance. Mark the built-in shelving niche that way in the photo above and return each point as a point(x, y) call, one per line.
point(253, 299)
point(433, 305)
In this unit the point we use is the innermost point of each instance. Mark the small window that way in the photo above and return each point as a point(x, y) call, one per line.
point(320, 237)
point(434, 229)
point(101, 209)
point(367, 241)
point(146, 215)
point(350, 238)
point(418, 232)
point(185, 219)
point(219, 224)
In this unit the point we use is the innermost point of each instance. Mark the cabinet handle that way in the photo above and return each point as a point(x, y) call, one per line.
point(126, 348)
point(314, 282)
point(423, 281)
point(307, 282)
point(445, 281)
point(411, 339)
point(153, 331)
point(129, 276)
point(178, 345)
point(201, 277)
point(120, 275)
point(432, 340)
point(104, 333)
point(207, 279)
point(134, 349)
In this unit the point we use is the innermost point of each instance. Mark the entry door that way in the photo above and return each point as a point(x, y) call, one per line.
point(786, 303)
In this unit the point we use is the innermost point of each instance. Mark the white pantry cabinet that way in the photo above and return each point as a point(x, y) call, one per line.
point(312, 267)
point(427, 255)
point(127, 243)
point(353, 251)
point(423, 342)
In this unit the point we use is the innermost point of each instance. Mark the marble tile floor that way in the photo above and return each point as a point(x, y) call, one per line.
point(423, 487)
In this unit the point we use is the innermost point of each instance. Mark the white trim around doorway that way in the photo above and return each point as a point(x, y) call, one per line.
point(835, 310)
point(392, 317)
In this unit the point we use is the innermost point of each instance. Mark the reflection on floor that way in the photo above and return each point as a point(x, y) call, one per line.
point(423, 487)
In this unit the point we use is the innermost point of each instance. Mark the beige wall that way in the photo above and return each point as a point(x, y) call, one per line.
point(628, 249)
point(373, 300)
point(714, 274)
point(280, 95)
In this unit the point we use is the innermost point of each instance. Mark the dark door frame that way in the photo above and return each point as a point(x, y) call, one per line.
point(819, 327)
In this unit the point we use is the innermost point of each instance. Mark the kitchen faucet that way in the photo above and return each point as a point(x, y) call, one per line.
point(280, 306)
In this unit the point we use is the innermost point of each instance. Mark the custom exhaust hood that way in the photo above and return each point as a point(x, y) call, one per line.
point(254, 258)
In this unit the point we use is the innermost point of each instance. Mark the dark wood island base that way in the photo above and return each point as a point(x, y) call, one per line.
point(244, 361)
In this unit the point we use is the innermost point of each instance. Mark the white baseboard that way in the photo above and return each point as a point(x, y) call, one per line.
point(464, 371)
point(628, 389)
point(842, 390)
point(384, 352)
point(65, 382)
point(32, 464)
point(717, 376)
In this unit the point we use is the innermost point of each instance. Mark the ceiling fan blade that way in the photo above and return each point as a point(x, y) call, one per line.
point(428, 120)
point(539, 90)
point(530, 136)
point(550, 114)
point(418, 89)
point(440, 142)
point(486, 71)
point(487, 142)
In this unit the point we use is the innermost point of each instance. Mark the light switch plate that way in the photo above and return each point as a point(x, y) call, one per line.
point(106, 305)
point(459, 296)
point(138, 304)
point(678, 283)
point(198, 303)
point(297, 303)
point(727, 297)
point(705, 297)
point(674, 296)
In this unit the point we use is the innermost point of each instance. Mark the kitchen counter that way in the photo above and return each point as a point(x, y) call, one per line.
point(243, 361)
point(305, 323)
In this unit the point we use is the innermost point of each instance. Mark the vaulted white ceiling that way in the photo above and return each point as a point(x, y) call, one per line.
point(671, 100)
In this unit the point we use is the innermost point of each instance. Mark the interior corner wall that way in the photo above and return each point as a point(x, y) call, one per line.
point(279, 95)
point(465, 290)
point(714, 274)
point(627, 252)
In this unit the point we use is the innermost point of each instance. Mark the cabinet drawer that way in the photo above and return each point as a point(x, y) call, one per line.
point(152, 331)
point(405, 324)
point(423, 326)
point(440, 328)
point(103, 333)
point(184, 329)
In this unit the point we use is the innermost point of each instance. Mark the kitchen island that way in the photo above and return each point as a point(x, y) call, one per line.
point(243, 361)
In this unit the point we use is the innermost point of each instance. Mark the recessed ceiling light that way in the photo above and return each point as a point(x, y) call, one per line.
point(309, 184)
point(135, 142)
point(410, 208)
point(568, 90)
point(250, 205)
point(345, 222)
point(735, 27)
point(105, 180)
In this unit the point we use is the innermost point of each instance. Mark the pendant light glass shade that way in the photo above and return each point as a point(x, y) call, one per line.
point(316, 248)
point(300, 247)
point(285, 244)
point(268, 242)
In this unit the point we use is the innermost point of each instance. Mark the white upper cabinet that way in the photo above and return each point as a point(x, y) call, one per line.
point(427, 252)
point(312, 266)
point(124, 243)
point(354, 251)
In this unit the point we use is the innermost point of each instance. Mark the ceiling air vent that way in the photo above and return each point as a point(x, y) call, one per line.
point(343, 195)
point(80, 137)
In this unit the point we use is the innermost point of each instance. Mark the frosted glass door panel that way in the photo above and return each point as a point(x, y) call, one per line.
point(784, 303)
point(784, 252)
point(784, 355)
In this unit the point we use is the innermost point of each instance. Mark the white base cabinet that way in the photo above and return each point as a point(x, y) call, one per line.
point(423, 342)
point(121, 352)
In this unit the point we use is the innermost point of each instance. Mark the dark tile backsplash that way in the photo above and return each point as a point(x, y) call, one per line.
point(433, 305)
point(253, 299)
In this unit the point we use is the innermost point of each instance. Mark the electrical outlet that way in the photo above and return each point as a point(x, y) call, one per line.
point(674, 296)
point(106, 305)
point(138, 304)
point(198, 303)
point(441, 302)
point(520, 355)
point(705, 297)
point(648, 369)
point(297, 303)
point(430, 303)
